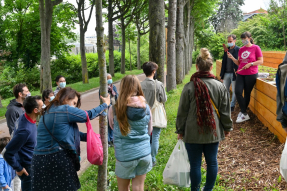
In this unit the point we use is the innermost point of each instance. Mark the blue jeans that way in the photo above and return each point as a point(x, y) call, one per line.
point(155, 142)
point(26, 181)
point(194, 152)
point(227, 81)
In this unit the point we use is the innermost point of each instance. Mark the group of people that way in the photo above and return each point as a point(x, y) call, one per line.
point(240, 70)
point(46, 156)
point(44, 151)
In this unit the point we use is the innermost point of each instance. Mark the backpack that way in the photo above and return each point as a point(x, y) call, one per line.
point(281, 85)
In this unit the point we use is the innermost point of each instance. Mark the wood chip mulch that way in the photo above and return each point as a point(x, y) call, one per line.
point(249, 159)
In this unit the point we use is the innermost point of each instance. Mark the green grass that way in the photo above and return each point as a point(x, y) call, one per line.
point(79, 86)
point(168, 139)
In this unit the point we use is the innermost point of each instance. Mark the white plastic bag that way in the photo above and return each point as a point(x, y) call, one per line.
point(177, 169)
point(283, 162)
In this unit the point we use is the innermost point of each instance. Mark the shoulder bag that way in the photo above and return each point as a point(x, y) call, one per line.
point(159, 118)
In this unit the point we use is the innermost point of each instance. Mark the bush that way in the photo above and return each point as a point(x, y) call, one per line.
point(195, 55)
point(11, 76)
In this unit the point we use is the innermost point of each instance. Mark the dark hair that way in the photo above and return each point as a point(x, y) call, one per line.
point(18, 88)
point(46, 94)
point(149, 67)
point(58, 77)
point(247, 34)
point(3, 142)
point(63, 95)
point(204, 60)
point(232, 36)
point(30, 103)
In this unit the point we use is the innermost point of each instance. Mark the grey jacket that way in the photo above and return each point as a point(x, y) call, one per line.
point(280, 99)
point(186, 121)
point(149, 91)
point(14, 111)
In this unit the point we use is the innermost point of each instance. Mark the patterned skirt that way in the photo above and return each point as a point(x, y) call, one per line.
point(54, 172)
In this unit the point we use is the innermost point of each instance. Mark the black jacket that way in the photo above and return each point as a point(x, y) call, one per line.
point(224, 62)
point(14, 111)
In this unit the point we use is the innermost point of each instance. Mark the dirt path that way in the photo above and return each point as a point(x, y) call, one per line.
point(249, 159)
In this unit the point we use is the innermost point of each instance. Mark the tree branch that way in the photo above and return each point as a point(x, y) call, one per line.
point(56, 2)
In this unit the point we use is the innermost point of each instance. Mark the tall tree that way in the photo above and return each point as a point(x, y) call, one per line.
point(142, 28)
point(46, 13)
point(180, 67)
point(171, 59)
point(228, 15)
point(102, 170)
point(157, 36)
point(83, 29)
point(116, 10)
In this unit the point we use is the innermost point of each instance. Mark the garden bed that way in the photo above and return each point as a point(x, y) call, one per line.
point(263, 100)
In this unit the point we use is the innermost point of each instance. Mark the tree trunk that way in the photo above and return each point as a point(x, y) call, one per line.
point(179, 42)
point(111, 40)
point(171, 60)
point(123, 59)
point(130, 55)
point(187, 31)
point(139, 51)
point(157, 36)
point(102, 170)
point(46, 12)
point(1, 103)
point(85, 74)
point(191, 41)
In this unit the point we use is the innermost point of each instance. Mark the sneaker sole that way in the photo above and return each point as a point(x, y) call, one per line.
point(242, 120)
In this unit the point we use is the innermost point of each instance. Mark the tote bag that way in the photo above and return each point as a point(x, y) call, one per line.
point(94, 145)
point(159, 118)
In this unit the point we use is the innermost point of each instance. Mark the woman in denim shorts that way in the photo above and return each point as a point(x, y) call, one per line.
point(130, 119)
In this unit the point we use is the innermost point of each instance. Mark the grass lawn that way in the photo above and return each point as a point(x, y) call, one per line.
point(79, 86)
point(168, 139)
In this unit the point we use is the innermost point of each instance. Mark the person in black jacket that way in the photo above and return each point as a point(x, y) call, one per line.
point(228, 68)
point(15, 108)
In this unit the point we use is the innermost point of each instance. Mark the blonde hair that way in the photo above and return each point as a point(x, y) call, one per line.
point(204, 60)
point(130, 86)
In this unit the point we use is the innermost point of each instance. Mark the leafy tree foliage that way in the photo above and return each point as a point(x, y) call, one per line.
point(228, 15)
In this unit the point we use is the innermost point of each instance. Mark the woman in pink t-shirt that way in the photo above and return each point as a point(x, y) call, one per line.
point(249, 57)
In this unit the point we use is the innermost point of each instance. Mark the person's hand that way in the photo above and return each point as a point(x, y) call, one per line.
point(106, 100)
point(226, 133)
point(179, 136)
point(23, 171)
point(247, 66)
point(230, 56)
point(221, 80)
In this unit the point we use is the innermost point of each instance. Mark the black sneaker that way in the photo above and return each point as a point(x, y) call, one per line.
point(232, 109)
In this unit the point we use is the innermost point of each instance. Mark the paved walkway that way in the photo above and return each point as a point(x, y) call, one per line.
point(89, 101)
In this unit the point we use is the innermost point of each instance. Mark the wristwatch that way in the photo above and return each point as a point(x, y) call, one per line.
point(252, 64)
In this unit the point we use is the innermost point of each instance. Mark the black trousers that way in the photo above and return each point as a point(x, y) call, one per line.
point(246, 83)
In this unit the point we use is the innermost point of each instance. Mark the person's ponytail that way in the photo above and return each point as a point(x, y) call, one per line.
point(251, 40)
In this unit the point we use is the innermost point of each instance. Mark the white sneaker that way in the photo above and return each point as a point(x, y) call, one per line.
point(239, 115)
point(242, 118)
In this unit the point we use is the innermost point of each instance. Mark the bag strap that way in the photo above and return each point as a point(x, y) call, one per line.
point(52, 134)
point(215, 108)
point(154, 91)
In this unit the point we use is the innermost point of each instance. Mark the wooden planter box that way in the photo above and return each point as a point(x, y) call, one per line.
point(272, 59)
point(263, 104)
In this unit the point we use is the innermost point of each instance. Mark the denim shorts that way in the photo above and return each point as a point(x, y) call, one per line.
point(131, 169)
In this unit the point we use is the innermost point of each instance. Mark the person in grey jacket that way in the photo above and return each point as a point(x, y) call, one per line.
point(199, 124)
point(148, 87)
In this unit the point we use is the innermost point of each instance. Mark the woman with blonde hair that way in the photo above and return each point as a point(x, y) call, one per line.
point(203, 120)
point(130, 119)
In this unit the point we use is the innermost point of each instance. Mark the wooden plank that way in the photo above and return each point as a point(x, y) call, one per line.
point(265, 100)
point(268, 116)
point(268, 64)
point(279, 55)
point(273, 60)
point(267, 89)
point(267, 124)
